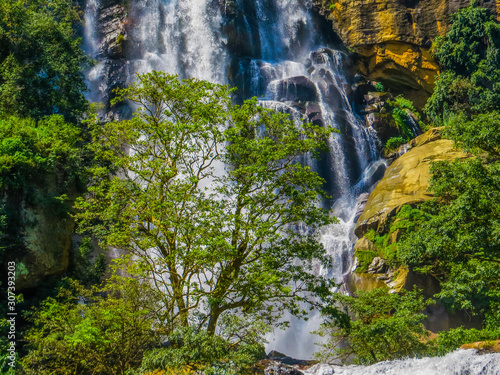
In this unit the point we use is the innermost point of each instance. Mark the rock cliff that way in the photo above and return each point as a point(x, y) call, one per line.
point(405, 181)
point(392, 38)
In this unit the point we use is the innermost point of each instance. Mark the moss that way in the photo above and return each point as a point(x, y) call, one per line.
point(385, 249)
point(365, 257)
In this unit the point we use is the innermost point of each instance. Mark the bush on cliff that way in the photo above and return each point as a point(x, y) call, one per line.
point(41, 59)
point(469, 56)
point(459, 242)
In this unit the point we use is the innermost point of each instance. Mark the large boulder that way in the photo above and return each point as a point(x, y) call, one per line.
point(296, 89)
point(406, 180)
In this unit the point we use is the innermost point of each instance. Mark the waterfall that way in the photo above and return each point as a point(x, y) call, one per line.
point(460, 362)
point(277, 50)
point(180, 37)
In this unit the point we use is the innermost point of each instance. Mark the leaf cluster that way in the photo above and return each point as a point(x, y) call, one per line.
point(375, 325)
point(469, 55)
point(104, 330)
point(41, 60)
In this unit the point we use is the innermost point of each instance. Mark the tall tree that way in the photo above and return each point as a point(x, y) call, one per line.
point(211, 198)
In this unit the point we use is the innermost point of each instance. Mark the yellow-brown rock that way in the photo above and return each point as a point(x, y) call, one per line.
point(392, 38)
point(484, 346)
point(405, 181)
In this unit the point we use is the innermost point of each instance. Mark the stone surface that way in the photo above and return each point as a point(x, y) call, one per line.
point(46, 232)
point(364, 244)
point(297, 89)
point(405, 181)
point(392, 38)
point(378, 265)
point(484, 347)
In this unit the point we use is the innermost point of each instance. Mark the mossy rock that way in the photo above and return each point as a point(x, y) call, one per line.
point(365, 258)
point(405, 181)
point(492, 346)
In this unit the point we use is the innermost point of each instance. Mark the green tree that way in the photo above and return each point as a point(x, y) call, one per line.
point(458, 243)
point(375, 326)
point(211, 198)
point(104, 330)
point(41, 59)
point(469, 55)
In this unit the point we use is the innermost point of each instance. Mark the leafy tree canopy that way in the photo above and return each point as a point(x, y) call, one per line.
point(30, 149)
point(41, 59)
point(211, 198)
point(469, 55)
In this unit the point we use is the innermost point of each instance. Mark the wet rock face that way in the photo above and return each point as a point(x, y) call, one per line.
point(297, 89)
point(112, 42)
point(45, 232)
point(112, 29)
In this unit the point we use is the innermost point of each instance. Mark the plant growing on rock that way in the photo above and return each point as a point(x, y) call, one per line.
point(469, 56)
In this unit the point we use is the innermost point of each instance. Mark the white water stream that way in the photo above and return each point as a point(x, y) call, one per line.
point(460, 362)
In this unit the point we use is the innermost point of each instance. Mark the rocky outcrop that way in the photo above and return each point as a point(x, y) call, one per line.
point(405, 181)
point(392, 38)
point(483, 347)
point(40, 230)
point(277, 363)
point(111, 41)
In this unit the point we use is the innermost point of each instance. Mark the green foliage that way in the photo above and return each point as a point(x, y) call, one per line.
point(365, 257)
point(40, 163)
point(233, 232)
point(84, 270)
point(459, 242)
point(385, 242)
point(229, 352)
point(101, 331)
point(41, 59)
point(375, 326)
point(402, 111)
point(457, 239)
point(477, 135)
point(394, 143)
point(379, 87)
point(469, 55)
point(448, 341)
point(30, 150)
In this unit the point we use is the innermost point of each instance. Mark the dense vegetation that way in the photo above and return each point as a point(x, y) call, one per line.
point(455, 236)
point(458, 243)
point(210, 201)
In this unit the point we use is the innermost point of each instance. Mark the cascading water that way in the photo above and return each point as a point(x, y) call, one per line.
point(290, 73)
point(460, 362)
point(272, 49)
point(180, 37)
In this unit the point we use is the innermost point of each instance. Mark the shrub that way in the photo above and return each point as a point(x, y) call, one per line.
point(394, 142)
